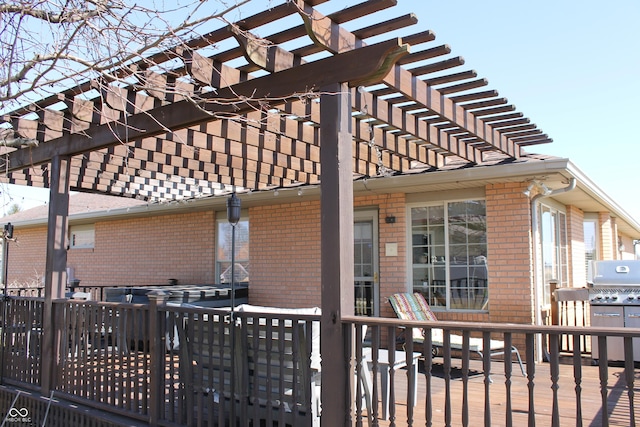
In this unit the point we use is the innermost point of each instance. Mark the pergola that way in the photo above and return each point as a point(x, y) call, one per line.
point(201, 125)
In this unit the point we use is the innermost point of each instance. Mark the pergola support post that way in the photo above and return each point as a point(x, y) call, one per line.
point(336, 213)
point(56, 265)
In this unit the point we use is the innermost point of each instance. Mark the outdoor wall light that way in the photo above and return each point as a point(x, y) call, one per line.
point(527, 192)
point(233, 209)
point(8, 231)
point(542, 189)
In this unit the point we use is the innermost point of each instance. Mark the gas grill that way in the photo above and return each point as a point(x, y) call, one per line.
point(614, 296)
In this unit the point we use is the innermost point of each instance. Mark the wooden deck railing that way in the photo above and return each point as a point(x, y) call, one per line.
point(21, 341)
point(172, 365)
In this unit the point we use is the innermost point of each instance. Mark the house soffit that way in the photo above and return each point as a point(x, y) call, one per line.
point(171, 135)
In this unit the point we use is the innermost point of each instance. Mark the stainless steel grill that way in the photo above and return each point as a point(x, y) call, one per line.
point(614, 295)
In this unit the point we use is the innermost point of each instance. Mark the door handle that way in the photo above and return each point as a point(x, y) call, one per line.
point(606, 314)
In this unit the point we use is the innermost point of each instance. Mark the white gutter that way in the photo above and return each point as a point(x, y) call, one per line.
point(538, 274)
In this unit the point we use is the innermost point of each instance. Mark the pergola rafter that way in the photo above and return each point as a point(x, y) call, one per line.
point(423, 115)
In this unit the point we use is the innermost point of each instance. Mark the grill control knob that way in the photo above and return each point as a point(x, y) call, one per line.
point(631, 296)
point(606, 297)
point(614, 297)
point(599, 296)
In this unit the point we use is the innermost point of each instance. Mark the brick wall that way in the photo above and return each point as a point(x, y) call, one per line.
point(629, 248)
point(285, 254)
point(149, 251)
point(509, 254)
point(575, 231)
point(605, 227)
point(132, 252)
point(290, 235)
point(27, 257)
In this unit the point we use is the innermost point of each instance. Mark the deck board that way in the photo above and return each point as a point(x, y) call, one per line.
point(618, 398)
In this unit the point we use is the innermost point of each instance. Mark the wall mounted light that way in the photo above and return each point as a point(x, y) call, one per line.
point(542, 189)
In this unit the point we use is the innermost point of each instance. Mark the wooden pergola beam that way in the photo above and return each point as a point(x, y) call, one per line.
point(336, 39)
point(355, 66)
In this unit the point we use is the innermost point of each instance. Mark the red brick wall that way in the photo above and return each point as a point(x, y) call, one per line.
point(132, 252)
point(284, 246)
point(629, 249)
point(149, 251)
point(509, 254)
point(285, 251)
point(605, 227)
point(27, 257)
point(575, 231)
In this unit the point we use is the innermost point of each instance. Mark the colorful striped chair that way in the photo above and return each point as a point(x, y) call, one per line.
point(410, 306)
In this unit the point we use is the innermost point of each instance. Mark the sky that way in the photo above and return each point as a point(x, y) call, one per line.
point(572, 67)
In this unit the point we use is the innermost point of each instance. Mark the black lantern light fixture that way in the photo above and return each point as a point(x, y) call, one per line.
point(233, 209)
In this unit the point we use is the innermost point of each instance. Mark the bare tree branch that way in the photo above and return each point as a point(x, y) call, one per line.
point(53, 18)
point(89, 38)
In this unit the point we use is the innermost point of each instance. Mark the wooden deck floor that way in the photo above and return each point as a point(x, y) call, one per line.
point(100, 371)
point(617, 396)
point(618, 406)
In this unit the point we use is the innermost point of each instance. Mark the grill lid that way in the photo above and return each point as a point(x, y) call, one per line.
point(616, 273)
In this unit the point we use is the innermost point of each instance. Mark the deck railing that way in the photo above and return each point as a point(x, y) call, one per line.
point(21, 341)
point(172, 365)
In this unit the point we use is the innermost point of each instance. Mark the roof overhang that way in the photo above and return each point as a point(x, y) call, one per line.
point(554, 172)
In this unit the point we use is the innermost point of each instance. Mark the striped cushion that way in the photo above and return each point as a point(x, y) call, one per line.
point(412, 307)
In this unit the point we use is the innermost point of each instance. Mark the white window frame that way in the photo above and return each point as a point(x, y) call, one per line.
point(447, 247)
point(221, 220)
point(371, 215)
point(593, 220)
point(82, 236)
point(559, 252)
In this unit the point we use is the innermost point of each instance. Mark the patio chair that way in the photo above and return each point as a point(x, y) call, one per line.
point(282, 364)
point(409, 306)
point(205, 360)
point(283, 384)
point(272, 364)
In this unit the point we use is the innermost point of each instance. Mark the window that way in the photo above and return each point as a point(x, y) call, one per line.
point(365, 256)
point(223, 251)
point(553, 235)
point(449, 254)
point(82, 236)
point(590, 243)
